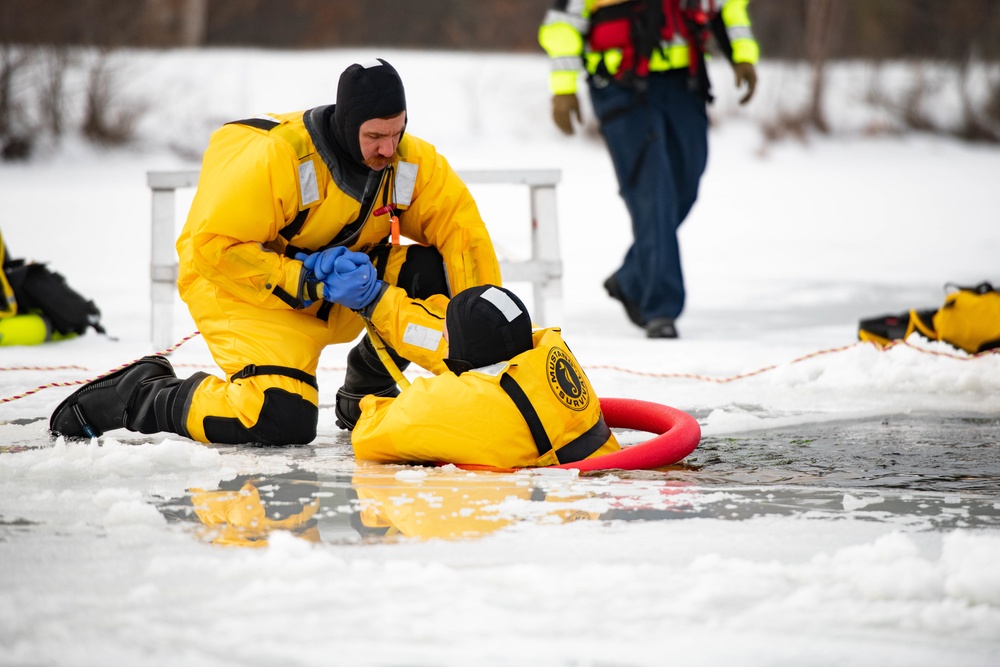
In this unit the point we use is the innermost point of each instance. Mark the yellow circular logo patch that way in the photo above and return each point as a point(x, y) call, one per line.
point(566, 380)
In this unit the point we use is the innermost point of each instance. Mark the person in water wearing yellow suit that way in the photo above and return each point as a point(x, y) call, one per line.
point(514, 397)
point(293, 231)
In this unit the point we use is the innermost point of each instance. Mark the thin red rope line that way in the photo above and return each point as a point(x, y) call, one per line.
point(619, 369)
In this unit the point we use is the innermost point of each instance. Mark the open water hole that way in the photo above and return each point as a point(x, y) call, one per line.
point(926, 472)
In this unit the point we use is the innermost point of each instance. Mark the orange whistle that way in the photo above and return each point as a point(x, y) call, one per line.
point(394, 228)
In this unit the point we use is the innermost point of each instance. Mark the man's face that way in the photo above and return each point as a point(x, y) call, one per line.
point(379, 138)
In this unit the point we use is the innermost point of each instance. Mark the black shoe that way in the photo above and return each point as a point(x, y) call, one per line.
point(105, 404)
point(661, 327)
point(348, 405)
point(631, 307)
point(888, 328)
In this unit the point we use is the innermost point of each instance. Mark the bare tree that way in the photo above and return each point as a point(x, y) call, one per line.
point(977, 125)
point(819, 30)
point(15, 135)
point(56, 61)
point(194, 22)
point(106, 119)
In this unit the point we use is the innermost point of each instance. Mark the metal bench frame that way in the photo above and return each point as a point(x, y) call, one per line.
point(543, 270)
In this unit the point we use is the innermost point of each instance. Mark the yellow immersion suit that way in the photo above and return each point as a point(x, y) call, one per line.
point(269, 189)
point(537, 409)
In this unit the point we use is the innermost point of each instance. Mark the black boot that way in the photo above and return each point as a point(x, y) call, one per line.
point(366, 374)
point(160, 405)
point(661, 327)
point(614, 290)
point(126, 398)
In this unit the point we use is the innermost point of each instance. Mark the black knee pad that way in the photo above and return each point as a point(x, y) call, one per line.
point(285, 419)
point(422, 273)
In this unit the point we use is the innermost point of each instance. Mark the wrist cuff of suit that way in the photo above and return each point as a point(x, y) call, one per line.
point(313, 291)
point(369, 309)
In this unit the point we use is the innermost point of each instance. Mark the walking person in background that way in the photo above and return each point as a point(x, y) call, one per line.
point(291, 243)
point(645, 66)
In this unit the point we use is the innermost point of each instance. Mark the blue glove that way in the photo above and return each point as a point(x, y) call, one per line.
point(348, 277)
point(320, 264)
point(354, 281)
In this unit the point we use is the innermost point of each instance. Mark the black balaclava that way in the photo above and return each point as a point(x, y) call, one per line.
point(368, 90)
point(486, 325)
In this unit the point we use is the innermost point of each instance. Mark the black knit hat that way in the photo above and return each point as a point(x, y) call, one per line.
point(486, 325)
point(368, 90)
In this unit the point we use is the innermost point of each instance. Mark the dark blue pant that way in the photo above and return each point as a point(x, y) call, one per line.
point(659, 147)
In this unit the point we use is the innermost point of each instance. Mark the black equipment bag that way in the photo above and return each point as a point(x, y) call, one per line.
point(37, 288)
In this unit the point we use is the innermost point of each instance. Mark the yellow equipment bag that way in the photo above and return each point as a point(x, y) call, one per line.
point(28, 329)
point(969, 320)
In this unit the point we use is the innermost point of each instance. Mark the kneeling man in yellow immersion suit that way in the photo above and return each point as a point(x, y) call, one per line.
point(514, 398)
point(293, 231)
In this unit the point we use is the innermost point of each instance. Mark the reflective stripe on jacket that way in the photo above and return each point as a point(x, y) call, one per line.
point(477, 418)
point(565, 30)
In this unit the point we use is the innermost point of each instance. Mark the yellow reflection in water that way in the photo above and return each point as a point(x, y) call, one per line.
point(452, 506)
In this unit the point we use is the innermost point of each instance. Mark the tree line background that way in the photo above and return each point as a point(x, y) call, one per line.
point(881, 29)
point(41, 42)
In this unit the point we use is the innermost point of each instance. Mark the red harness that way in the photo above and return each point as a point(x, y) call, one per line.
point(638, 28)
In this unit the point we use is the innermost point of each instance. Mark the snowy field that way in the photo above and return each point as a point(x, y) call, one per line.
point(105, 563)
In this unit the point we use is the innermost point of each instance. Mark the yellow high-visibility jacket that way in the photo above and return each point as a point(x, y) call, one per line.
point(565, 29)
point(267, 190)
point(537, 409)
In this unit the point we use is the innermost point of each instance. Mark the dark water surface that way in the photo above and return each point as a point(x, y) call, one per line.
point(912, 452)
point(921, 472)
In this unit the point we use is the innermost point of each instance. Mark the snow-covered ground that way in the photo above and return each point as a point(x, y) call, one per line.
point(788, 247)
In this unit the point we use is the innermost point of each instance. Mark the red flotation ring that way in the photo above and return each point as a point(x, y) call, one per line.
point(679, 434)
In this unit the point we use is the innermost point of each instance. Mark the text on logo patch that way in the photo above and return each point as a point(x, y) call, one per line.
point(566, 380)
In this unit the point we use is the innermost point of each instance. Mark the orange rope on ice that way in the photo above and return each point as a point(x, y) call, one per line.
point(78, 382)
point(43, 368)
point(180, 342)
point(618, 369)
point(947, 355)
point(741, 376)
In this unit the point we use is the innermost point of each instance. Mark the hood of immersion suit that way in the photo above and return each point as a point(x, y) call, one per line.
point(486, 325)
point(367, 90)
